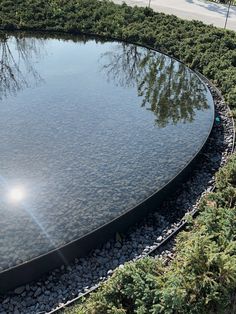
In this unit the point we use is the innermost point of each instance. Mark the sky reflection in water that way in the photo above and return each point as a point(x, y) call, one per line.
point(88, 130)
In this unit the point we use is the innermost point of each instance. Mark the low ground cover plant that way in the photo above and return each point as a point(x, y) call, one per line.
point(200, 279)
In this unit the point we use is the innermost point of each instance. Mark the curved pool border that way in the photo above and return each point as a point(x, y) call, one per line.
point(36, 267)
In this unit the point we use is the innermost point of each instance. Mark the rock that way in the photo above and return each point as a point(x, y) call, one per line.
point(6, 300)
point(19, 290)
point(37, 292)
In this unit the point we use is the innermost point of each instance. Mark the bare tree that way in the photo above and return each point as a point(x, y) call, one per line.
point(166, 87)
point(16, 69)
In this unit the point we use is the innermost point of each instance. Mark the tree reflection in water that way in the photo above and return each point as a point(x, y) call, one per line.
point(167, 88)
point(16, 67)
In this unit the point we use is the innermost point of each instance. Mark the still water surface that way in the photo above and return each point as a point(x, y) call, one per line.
point(88, 129)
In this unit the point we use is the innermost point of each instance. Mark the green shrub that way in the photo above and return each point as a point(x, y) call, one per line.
point(200, 279)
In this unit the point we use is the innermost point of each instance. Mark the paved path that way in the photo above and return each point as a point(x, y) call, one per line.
point(207, 12)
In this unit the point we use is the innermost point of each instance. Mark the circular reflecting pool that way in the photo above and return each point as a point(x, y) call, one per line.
point(88, 130)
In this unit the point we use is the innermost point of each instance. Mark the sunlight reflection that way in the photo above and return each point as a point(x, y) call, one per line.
point(16, 194)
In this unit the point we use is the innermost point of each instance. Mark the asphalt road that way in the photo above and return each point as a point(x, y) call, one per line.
point(207, 12)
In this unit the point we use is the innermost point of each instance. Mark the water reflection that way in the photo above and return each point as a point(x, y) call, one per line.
point(77, 152)
point(167, 88)
point(16, 67)
point(16, 194)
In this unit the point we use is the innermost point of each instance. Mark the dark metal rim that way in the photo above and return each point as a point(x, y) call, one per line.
point(131, 210)
point(169, 237)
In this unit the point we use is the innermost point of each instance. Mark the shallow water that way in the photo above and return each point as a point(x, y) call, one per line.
point(88, 129)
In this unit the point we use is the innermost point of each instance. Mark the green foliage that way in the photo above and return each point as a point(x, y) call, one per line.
point(233, 2)
point(201, 278)
point(133, 289)
point(226, 183)
point(205, 48)
point(226, 177)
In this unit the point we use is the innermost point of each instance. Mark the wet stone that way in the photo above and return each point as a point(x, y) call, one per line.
point(19, 290)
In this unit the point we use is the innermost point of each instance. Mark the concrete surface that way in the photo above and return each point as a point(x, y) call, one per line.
point(207, 12)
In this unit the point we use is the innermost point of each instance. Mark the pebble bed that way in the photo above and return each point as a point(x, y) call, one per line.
point(68, 282)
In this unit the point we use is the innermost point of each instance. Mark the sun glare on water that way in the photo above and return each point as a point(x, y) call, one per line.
point(16, 194)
